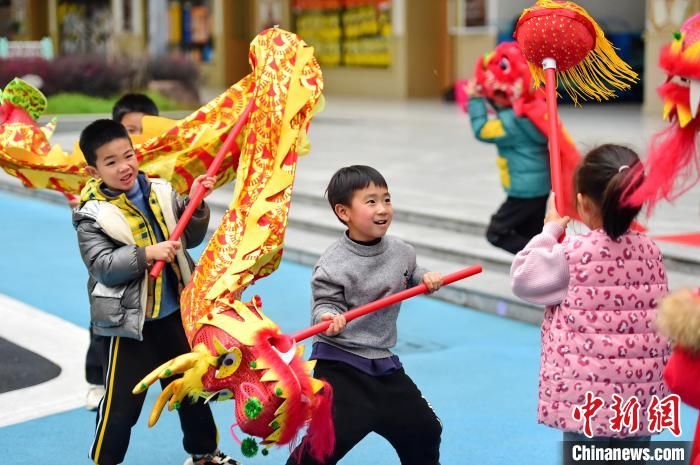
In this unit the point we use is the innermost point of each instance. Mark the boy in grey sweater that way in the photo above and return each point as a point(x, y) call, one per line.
point(372, 393)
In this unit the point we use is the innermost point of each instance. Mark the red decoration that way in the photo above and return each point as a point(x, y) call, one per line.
point(574, 36)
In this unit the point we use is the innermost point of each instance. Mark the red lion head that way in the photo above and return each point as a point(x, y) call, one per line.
point(504, 75)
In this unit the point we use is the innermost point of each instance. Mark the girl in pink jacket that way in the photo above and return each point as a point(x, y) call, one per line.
point(600, 290)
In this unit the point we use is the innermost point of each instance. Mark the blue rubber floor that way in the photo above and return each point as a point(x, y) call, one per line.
point(478, 371)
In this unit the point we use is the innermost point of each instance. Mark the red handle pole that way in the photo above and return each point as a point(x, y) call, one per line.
point(198, 194)
point(385, 302)
point(550, 69)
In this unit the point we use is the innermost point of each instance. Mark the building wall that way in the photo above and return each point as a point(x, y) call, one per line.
point(428, 54)
point(468, 47)
point(38, 20)
point(425, 21)
point(390, 82)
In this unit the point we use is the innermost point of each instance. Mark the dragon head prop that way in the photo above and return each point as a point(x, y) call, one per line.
point(237, 352)
point(504, 76)
point(21, 104)
point(241, 354)
point(673, 162)
point(681, 62)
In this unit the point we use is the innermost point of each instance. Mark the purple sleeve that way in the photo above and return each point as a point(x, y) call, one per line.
point(540, 273)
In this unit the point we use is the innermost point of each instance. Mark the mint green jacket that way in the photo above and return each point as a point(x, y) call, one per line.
point(522, 149)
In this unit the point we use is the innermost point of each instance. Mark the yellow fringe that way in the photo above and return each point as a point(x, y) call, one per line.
point(599, 74)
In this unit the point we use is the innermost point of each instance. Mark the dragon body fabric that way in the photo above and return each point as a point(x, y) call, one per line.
point(175, 150)
point(236, 350)
point(25, 150)
point(504, 77)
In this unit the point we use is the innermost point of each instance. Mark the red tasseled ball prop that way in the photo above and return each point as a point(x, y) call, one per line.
point(558, 33)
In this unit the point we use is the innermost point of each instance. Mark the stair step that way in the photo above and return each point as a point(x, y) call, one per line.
point(456, 247)
point(677, 257)
point(488, 291)
point(311, 230)
point(409, 216)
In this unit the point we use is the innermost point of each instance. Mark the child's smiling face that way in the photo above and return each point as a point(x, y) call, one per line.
point(369, 214)
point(116, 164)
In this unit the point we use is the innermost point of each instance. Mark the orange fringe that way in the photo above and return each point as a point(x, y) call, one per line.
point(599, 74)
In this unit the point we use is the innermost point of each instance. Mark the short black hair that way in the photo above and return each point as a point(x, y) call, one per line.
point(97, 134)
point(346, 181)
point(131, 103)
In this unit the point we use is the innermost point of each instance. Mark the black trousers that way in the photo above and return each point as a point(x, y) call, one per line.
point(516, 222)
point(389, 405)
point(94, 371)
point(128, 362)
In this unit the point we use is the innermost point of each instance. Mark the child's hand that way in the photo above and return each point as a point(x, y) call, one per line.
point(206, 181)
point(337, 323)
point(433, 280)
point(553, 215)
point(165, 251)
point(472, 88)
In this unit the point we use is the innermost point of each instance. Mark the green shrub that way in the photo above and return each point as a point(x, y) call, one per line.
point(75, 103)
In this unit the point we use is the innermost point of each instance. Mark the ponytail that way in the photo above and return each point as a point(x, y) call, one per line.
point(606, 175)
point(616, 212)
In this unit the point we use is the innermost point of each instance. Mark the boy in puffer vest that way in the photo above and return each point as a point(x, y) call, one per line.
point(123, 224)
point(128, 111)
point(601, 292)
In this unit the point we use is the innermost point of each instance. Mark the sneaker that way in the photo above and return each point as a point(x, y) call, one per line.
point(94, 396)
point(215, 458)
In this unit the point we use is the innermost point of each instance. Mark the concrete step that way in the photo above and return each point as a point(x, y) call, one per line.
point(677, 257)
point(488, 291)
point(312, 228)
point(429, 241)
point(410, 216)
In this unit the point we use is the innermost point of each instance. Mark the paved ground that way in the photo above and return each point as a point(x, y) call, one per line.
point(479, 371)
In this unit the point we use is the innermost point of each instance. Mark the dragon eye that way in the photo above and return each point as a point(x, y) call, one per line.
point(229, 363)
point(504, 64)
point(680, 80)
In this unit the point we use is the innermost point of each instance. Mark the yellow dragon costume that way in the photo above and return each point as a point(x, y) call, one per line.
point(237, 352)
point(177, 151)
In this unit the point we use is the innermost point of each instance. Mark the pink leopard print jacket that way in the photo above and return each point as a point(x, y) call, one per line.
point(598, 331)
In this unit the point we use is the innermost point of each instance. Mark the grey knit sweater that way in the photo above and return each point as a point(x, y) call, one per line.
point(348, 275)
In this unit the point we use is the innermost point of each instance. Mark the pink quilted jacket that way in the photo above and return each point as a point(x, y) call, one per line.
point(598, 331)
